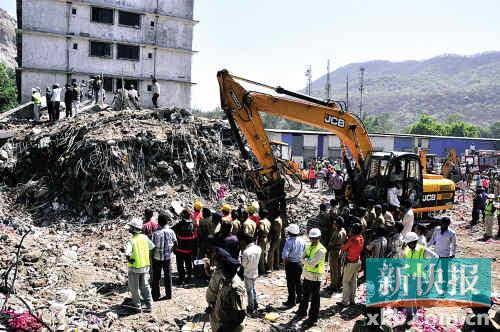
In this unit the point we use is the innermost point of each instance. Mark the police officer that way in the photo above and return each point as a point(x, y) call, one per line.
point(229, 311)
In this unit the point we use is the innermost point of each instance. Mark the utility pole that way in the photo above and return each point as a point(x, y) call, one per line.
point(309, 79)
point(361, 88)
point(328, 87)
point(347, 92)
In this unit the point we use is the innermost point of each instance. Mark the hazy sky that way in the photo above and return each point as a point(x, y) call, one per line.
point(274, 40)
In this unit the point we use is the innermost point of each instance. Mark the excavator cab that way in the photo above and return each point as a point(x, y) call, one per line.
point(384, 170)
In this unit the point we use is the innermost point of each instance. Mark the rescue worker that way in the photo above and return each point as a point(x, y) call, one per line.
point(186, 239)
point(76, 98)
point(36, 98)
point(292, 254)
point(248, 226)
point(489, 216)
point(314, 268)
point(137, 251)
point(263, 240)
point(133, 97)
point(273, 256)
point(229, 311)
point(337, 240)
point(324, 225)
point(252, 214)
point(150, 225)
point(413, 250)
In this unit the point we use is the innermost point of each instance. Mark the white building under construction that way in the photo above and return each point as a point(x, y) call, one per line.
point(62, 40)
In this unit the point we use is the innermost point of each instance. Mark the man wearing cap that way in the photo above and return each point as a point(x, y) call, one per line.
point(353, 247)
point(314, 268)
point(489, 216)
point(137, 252)
point(292, 254)
point(229, 310)
point(414, 250)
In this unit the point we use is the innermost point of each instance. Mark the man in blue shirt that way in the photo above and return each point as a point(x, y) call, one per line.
point(291, 255)
point(164, 240)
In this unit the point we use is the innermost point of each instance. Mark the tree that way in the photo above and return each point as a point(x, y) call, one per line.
point(426, 125)
point(8, 90)
point(378, 124)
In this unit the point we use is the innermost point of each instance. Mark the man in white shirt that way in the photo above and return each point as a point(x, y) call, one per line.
point(250, 262)
point(56, 100)
point(156, 92)
point(444, 240)
point(408, 217)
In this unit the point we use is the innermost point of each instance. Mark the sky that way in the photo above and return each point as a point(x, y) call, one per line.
point(273, 41)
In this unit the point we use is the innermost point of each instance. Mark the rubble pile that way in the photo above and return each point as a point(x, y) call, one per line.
point(92, 165)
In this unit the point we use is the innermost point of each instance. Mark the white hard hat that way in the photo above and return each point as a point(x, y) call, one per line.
point(492, 196)
point(314, 233)
point(411, 237)
point(135, 222)
point(293, 229)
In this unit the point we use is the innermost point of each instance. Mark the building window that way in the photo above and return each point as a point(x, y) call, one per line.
point(128, 83)
point(107, 84)
point(150, 55)
point(128, 52)
point(102, 15)
point(73, 11)
point(75, 46)
point(129, 19)
point(100, 49)
point(152, 24)
point(150, 88)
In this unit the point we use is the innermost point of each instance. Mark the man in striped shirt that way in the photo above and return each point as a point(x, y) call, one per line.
point(164, 240)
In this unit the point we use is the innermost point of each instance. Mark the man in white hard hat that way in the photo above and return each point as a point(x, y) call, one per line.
point(314, 268)
point(292, 254)
point(137, 252)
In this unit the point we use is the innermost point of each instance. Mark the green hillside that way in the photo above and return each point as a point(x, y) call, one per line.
point(468, 86)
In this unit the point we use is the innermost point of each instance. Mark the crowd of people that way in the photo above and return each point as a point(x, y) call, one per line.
point(72, 95)
point(235, 246)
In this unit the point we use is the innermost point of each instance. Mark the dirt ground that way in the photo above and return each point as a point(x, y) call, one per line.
point(89, 260)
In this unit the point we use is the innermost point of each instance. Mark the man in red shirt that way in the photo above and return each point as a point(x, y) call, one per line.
point(149, 226)
point(353, 247)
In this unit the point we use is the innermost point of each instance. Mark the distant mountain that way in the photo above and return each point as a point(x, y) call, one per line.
point(468, 86)
point(8, 49)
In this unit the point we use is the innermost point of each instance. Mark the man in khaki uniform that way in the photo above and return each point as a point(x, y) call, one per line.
point(263, 236)
point(214, 286)
point(273, 258)
point(337, 240)
point(229, 311)
point(248, 226)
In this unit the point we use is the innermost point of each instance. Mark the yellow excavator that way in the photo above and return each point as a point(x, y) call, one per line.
point(370, 176)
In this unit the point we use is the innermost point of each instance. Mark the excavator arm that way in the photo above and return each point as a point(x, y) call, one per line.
point(451, 161)
point(242, 109)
